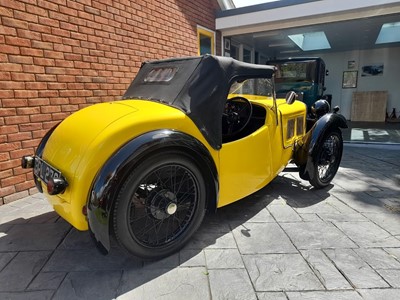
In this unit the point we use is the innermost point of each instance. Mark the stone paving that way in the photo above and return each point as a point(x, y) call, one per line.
point(286, 241)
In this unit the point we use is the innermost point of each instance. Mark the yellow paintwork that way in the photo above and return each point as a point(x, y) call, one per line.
point(83, 142)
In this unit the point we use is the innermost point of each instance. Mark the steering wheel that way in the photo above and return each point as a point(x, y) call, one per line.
point(237, 114)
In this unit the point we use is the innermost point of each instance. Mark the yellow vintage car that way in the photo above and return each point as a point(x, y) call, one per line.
point(190, 135)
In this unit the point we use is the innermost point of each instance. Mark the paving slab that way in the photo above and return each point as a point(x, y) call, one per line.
point(271, 296)
point(358, 272)
point(310, 235)
point(255, 238)
point(17, 275)
point(89, 285)
point(325, 270)
point(223, 259)
point(175, 284)
point(368, 234)
point(378, 294)
point(232, 284)
point(34, 237)
point(277, 272)
point(322, 295)
point(378, 258)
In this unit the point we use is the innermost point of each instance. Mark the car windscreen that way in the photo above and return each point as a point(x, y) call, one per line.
point(253, 86)
point(296, 71)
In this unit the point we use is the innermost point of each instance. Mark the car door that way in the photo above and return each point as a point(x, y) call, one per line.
point(245, 166)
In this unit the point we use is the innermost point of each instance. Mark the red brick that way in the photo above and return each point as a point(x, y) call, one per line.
point(6, 173)
point(42, 45)
point(47, 5)
point(19, 60)
point(39, 118)
point(46, 77)
point(59, 101)
point(31, 143)
point(68, 11)
point(31, 52)
point(50, 109)
point(38, 101)
point(4, 156)
point(56, 85)
point(35, 10)
point(17, 41)
point(22, 77)
point(33, 69)
point(14, 23)
point(61, 32)
point(10, 49)
point(51, 38)
point(4, 191)
point(7, 129)
point(36, 85)
point(53, 54)
point(30, 127)
point(62, 48)
point(12, 180)
point(19, 136)
point(25, 16)
point(48, 93)
point(71, 108)
point(22, 187)
point(17, 5)
point(11, 85)
point(12, 67)
point(15, 196)
point(25, 94)
point(40, 28)
point(7, 111)
point(60, 116)
point(68, 26)
point(12, 120)
point(49, 22)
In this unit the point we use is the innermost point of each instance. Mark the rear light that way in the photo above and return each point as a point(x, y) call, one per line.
point(27, 162)
point(56, 186)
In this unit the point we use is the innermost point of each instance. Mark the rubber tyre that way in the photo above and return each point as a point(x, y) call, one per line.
point(330, 149)
point(125, 210)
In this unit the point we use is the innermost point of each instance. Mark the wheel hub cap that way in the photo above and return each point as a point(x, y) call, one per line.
point(171, 208)
point(163, 204)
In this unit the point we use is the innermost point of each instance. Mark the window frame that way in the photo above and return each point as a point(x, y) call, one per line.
point(205, 32)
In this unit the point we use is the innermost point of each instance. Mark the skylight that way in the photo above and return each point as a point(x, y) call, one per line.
point(311, 41)
point(390, 33)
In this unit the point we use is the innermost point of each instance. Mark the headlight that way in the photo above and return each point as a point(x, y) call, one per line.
point(320, 108)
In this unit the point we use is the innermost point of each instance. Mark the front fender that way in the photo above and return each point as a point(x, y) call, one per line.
point(306, 150)
point(111, 176)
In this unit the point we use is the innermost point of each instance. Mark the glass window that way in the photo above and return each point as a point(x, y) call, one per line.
point(252, 86)
point(206, 41)
point(246, 55)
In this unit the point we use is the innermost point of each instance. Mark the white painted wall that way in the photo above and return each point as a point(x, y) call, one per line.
point(336, 63)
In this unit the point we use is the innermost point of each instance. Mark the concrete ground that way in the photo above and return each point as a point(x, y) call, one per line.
point(287, 241)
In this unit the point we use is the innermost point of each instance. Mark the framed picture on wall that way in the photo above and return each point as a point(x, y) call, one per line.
point(349, 79)
point(227, 44)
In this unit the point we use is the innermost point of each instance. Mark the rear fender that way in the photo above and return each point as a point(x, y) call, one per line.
point(110, 178)
point(306, 149)
point(39, 153)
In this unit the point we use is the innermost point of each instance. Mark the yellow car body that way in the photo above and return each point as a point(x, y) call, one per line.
point(94, 151)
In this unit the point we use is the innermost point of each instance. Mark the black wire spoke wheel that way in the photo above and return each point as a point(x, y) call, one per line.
point(160, 206)
point(167, 202)
point(328, 159)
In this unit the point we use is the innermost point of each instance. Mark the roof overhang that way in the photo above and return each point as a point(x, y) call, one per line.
point(290, 13)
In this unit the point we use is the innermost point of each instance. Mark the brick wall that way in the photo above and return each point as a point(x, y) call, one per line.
point(58, 56)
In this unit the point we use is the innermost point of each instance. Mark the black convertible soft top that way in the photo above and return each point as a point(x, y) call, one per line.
point(199, 86)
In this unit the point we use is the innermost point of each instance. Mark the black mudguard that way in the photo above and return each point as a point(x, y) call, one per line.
point(305, 151)
point(110, 178)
